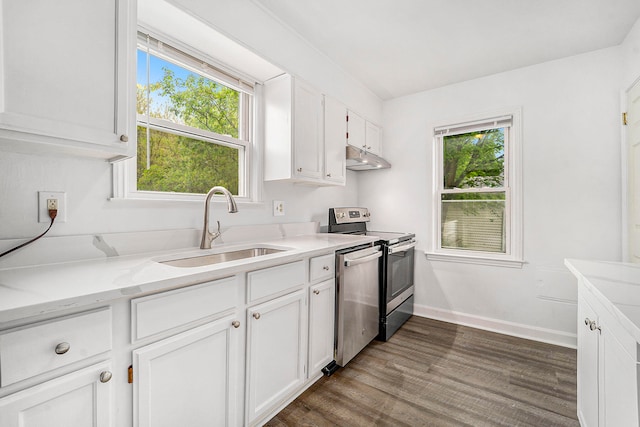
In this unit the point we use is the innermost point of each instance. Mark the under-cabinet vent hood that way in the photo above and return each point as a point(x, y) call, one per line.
point(360, 160)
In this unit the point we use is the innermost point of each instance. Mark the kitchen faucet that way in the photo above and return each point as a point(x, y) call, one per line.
point(208, 236)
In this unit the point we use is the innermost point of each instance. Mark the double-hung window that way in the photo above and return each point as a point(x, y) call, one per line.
point(194, 125)
point(477, 191)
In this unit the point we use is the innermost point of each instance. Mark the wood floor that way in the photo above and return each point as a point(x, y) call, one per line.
point(433, 373)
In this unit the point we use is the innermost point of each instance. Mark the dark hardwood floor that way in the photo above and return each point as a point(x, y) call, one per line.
point(433, 373)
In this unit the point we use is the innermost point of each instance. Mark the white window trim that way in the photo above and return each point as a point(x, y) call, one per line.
point(124, 170)
point(514, 254)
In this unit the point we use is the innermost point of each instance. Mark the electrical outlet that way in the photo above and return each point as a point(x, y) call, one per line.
point(278, 208)
point(52, 200)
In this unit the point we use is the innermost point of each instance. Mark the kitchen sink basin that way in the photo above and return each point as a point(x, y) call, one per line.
point(202, 260)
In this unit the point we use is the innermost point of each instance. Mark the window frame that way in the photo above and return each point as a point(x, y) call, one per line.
point(512, 187)
point(172, 50)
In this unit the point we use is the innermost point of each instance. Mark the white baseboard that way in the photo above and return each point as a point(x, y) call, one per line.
point(549, 336)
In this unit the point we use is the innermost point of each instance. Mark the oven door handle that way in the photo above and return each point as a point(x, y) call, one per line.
point(351, 262)
point(403, 248)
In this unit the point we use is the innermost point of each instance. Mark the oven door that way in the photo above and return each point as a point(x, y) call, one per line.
point(399, 273)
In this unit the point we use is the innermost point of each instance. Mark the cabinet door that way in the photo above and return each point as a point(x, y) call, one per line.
point(78, 399)
point(67, 68)
point(587, 366)
point(373, 139)
point(356, 131)
point(308, 131)
point(189, 379)
point(335, 138)
point(322, 303)
point(619, 381)
point(276, 351)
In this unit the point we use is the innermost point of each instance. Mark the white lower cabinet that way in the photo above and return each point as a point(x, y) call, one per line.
point(276, 352)
point(79, 399)
point(322, 303)
point(189, 379)
point(607, 367)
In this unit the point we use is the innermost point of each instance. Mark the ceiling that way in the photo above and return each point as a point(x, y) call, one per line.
point(398, 47)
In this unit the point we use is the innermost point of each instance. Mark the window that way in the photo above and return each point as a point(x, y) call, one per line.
point(477, 195)
point(194, 125)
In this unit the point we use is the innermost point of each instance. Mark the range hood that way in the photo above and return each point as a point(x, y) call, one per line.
point(360, 160)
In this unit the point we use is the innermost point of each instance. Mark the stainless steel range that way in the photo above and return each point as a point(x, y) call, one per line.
point(396, 267)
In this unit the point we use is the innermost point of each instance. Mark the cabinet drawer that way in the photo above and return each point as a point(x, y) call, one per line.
point(262, 283)
point(34, 349)
point(322, 267)
point(157, 313)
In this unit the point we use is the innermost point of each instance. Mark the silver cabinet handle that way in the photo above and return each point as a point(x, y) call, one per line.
point(326, 267)
point(299, 169)
point(105, 376)
point(256, 316)
point(124, 138)
point(235, 324)
point(592, 324)
point(316, 291)
point(63, 347)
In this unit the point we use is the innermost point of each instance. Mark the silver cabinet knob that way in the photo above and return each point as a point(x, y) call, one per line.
point(326, 267)
point(124, 138)
point(316, 291)
point(256, 316)
point(235, 324)
point(299, 169)
point(105, 376)
point(329, 175)
point(592, 324)
point(63, 347)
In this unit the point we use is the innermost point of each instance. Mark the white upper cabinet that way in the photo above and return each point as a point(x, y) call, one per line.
point(293, 131)
point(68, 74)
point(304, 138)
point(363, 134)
point(335, 137)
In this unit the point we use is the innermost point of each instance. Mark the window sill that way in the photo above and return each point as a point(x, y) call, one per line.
point(478, 260)
point(161, 201)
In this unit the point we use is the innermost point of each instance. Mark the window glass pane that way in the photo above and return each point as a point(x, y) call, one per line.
point(474, 160)
point(177, 163)
point(185, 97)
point(474, 221)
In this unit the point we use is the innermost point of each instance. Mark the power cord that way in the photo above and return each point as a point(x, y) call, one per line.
point(52, 214)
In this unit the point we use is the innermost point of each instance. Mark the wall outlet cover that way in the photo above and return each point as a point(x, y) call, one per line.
point(278, 208)
point(43, 211)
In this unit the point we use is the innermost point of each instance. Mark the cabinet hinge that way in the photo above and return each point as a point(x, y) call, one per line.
point(130, 375)
point(624, 119)
point(347, 135)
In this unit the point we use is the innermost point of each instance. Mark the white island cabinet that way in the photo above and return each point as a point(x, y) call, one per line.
point(68, 77)
point(608, 340)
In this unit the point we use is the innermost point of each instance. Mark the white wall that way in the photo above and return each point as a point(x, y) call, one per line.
point(571, 180)
point(631, 52)
point(88, 182)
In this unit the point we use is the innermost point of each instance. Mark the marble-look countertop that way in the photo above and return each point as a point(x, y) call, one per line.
point(39, 289)
point(616, 285)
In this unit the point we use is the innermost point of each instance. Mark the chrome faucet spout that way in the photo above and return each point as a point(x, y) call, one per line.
point(207, 235)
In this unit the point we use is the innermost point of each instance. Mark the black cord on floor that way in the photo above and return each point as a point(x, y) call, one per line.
point(52, 215)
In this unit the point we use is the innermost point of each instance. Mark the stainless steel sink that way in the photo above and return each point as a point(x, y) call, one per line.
point(199, 261)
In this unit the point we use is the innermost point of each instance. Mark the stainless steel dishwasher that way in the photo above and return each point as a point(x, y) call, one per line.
point(357, 300)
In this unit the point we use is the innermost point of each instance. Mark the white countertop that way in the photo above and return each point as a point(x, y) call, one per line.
point(32, 290)
point(617, 286)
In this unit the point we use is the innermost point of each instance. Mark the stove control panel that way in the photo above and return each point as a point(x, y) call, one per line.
point(349, 215)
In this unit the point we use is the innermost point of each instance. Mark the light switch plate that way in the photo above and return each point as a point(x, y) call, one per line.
point(43, 212)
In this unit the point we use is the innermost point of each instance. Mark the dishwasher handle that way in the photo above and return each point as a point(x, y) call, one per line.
point(351, 262)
